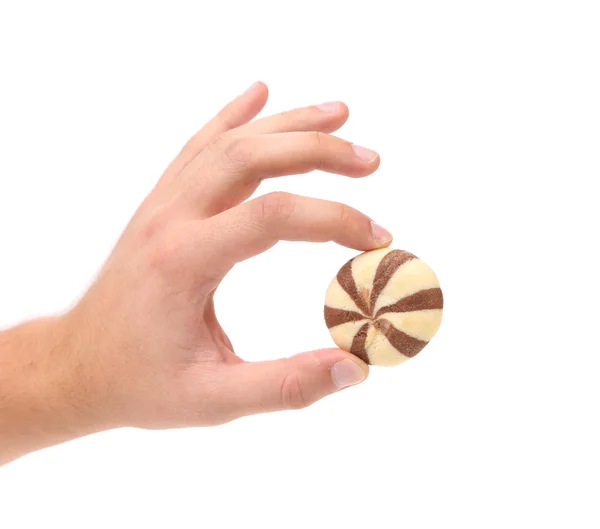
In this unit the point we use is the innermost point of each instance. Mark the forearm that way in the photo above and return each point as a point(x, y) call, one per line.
point(41, 401)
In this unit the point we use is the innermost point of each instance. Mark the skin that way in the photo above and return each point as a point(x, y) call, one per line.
point(143, 347)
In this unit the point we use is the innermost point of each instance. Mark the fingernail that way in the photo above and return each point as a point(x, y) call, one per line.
point(364, 154)
point(380, 234)
point(332, 106)
point(347, 373)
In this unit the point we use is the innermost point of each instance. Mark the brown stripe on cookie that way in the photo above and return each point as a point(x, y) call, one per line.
point(430, 298)
point(405, 344)
point(358, 344)
point(387, 266)
point(335, 317)
point(346, 281)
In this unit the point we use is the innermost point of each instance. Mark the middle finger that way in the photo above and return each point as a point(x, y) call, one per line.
point(230, 171)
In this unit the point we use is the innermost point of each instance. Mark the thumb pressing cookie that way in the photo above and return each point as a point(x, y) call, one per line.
point(384, 306)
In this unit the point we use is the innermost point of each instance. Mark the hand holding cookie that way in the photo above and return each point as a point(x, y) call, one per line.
point(144, 346)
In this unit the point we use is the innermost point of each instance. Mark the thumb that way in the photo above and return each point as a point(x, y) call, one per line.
point(289, 383)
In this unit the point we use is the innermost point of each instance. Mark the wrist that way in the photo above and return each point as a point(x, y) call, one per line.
point(46, 391)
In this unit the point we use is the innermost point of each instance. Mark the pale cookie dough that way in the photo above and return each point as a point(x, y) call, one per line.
point(384, 306)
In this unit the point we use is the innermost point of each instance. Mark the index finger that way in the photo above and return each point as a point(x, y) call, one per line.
point(255, 226)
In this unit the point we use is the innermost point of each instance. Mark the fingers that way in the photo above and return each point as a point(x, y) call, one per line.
point(327, 117)
point(236, 113)
point(290, 383)
point(231, 170)
point(255, 226)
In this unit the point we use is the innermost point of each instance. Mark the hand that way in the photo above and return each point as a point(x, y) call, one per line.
point(144, 347)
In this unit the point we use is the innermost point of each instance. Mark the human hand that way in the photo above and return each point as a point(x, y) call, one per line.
point(144, 344)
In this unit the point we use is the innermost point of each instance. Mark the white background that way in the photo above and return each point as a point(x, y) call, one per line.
point(487, 119)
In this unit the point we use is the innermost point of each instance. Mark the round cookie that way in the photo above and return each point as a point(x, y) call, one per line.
point(384, 306)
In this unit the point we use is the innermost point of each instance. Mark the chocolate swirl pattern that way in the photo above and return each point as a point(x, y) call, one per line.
point(384, 306)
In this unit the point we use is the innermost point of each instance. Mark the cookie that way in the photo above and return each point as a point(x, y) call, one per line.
point(384, 306)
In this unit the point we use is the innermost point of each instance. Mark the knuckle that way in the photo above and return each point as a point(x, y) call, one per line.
point(318, 139)
point(345, 217)
point(166, 253)
point(275, 208)
point(230, 151)
point(218, 144)
point(292, 397)
point(237, 151)
point(153, 223)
